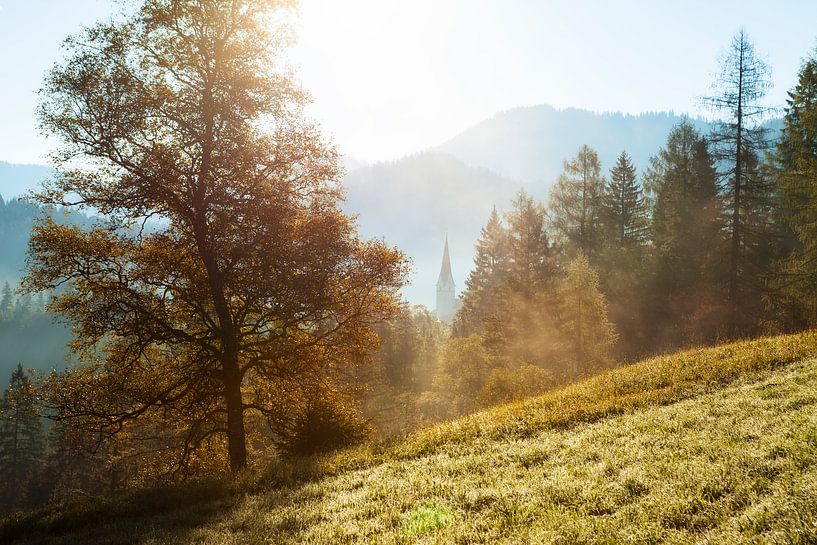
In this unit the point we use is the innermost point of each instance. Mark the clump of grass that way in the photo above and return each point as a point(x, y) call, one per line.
point(427, 518)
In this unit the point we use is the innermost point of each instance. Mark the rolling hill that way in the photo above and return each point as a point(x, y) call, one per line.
point(715, 445)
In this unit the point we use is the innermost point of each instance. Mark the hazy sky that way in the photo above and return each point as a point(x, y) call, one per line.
point(392, 77)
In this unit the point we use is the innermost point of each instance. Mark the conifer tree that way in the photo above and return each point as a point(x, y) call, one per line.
point(528, 330)
point(575, 203)
point(21, 439)
point(531, 256)
point(686, 289)
point(795, 163)
point(583, 316)
point(6, 302)
point(625, 214)
point(621, 261)
point(737, 142)
point(480, 300)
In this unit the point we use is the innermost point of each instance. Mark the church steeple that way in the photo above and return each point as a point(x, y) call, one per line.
point(447, 302)
point(445, 278)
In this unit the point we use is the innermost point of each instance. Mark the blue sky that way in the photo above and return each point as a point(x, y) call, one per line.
point(391, 77)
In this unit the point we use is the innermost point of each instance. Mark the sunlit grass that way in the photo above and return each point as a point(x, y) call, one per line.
point(707, 446)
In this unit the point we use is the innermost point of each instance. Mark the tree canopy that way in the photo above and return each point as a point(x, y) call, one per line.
point(183, 114)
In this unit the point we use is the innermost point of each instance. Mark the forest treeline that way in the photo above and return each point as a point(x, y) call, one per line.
point(715, 240)
point(256, 323)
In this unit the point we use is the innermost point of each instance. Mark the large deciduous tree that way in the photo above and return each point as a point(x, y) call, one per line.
point(250, 276)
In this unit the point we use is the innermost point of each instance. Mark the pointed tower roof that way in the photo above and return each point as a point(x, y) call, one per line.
point(445, 270)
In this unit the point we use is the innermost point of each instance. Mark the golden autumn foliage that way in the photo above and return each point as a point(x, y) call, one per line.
point(222, 267)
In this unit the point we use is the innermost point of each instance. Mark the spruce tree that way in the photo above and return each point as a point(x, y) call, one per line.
point(621, 261)
point(531, 256)
point(6, 302)
point(482, 288)
point(795, 162)
point(21, 439)
point(625, 214)
point(686, 294)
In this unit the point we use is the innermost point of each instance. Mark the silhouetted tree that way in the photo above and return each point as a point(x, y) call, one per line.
point(22, 442)
point(257, 278)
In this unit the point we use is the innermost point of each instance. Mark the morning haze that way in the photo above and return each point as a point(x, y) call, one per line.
point(407, 272)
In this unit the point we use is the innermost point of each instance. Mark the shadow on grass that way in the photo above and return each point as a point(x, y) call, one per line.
point(158, 514)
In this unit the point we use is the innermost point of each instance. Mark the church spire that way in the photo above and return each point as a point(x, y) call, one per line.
point(447, 301)
point(445, 270)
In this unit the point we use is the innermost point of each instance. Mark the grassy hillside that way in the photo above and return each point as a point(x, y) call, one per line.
point(707, 446)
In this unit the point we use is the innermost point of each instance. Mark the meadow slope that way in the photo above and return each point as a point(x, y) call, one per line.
point(712, 445)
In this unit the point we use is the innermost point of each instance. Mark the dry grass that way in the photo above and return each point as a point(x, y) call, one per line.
point(707, 446)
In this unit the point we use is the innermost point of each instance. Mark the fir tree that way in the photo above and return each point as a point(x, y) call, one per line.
point(795, 162)
point(625, 214)
point(686, 297)
point(482, 288)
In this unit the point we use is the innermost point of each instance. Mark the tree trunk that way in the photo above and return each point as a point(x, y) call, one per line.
point(236, 435)
point(735, 250)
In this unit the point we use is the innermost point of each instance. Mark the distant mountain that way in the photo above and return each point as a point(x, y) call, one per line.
point(412, 202)
point(530, 144)
point(16, 180)
point(415, 201)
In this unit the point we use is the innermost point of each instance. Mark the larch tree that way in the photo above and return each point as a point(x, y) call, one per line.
point(575, 203)
point(249, 277)
point(736, 141)
point(583, 319)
